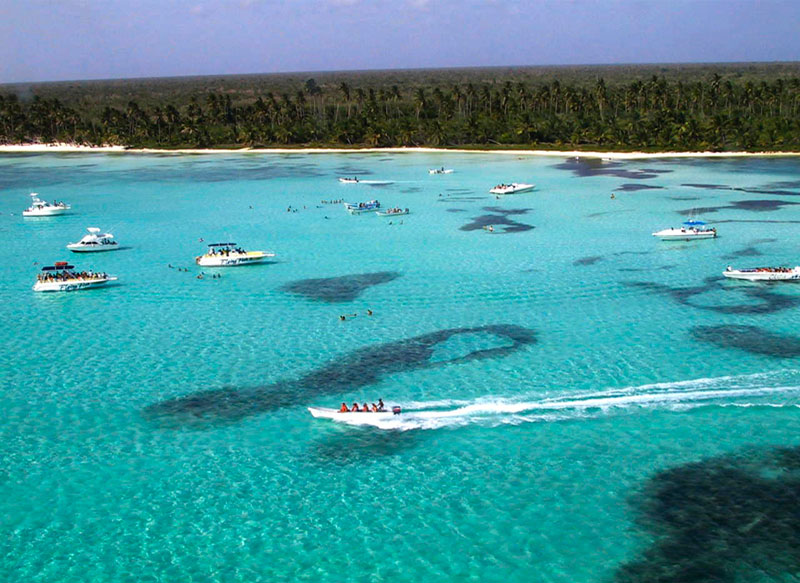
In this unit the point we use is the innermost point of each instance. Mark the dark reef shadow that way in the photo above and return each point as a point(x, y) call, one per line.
point(358, 369)
point(722, 520)
point(345, 288)
point(499, 218)
point(588, 260)
point(749, 338)
point(585, 167)
point(634, 187)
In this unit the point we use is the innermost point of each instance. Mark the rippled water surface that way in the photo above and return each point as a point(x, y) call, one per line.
point(582, 402)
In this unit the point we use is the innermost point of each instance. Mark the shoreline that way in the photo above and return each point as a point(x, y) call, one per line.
point(72, 148)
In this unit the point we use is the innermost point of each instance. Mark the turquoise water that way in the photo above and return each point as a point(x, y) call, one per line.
point(555, 378)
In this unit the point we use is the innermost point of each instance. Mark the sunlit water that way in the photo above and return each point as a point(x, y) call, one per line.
point(156, 430)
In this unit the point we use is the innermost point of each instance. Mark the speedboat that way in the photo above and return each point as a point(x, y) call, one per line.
point(441, 170)
point(512, 188)
point(691, 229)
point(353, 180)
point(93, 242)
point(358, 208)
point(353, 416)
point(392, 212)
point(764, 273)
point(42, 208)
point(229, 255)
point(61, 277)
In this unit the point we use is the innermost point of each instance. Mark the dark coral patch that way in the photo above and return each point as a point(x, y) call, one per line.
point(339, 289)
point(588, 260)
point(634, 187)
point(742, 205)
point(585, 167)
point(499, 221)
point(749, 338)
point(358, 369)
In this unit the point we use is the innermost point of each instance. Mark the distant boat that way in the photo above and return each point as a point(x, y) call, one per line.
point(229, 255)
point(392, 212)
point(512, 188)
point(353, 180)
point(441, 170)
point(358, 208)
point(94, 242)
point(764, 273)
point(352, 416)
point(41, 208)
point(691, 229)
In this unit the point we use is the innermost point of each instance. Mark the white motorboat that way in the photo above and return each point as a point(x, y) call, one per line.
point(42, 208)
point(353, 416)
point(353, 180)
point(691, 229)
point(441, 170)
point(764, 273)
point(62, 277)
point(229, 255)
point(359, 208)
point(512, 188)
point(94, 242)
point(393, 212)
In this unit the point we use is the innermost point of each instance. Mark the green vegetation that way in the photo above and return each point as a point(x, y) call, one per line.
point(677, 107)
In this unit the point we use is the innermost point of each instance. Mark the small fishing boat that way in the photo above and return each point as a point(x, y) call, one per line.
point(691, 229)
point(94, 242)
point(61, 277)
point(512, 188)
point(42, 208)
point(764, 273)
point(353, 416)
point(441, 170)
point(393, 212)
point(353, 180)
point(229, 255)
point(359, 208)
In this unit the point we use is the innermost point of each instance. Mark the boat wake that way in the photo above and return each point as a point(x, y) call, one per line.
point(777, 389)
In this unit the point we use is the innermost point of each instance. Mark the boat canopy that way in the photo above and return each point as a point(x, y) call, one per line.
point(222, 244)
point(57, 267)
point(694, 223)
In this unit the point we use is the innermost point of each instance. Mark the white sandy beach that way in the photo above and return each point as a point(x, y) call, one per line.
point(74, 148)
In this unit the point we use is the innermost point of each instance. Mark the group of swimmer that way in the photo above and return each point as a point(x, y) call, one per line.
point(379, 408)
point(344, 317)
point(339, 201)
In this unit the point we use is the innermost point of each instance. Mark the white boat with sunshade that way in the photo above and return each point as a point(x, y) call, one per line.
point(229, 255)
point(764, 273)
point(94, 242)
point(512, 188)
point(359, 208)
point(62, 277)
point(353, 416)
point(42, 208)
point(691, 229)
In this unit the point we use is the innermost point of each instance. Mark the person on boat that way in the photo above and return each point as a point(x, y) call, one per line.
point(366, 408)
point(355, 408)
point(343, 408)
point(380, 404)
point(374, 408)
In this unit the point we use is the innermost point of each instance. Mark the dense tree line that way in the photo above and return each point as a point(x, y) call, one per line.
point(656, 114)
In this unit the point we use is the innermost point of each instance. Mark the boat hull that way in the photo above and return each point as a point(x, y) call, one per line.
point(678, 235)
point(349, 417)
point(756, 275)
point(77, 248)
point(513, 189)
point(233, 260)
point(70, 284)
point(46, 212)
point(397, 214)
point(447, 171)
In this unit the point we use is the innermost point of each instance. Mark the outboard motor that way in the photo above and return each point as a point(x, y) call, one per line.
point(396, 410)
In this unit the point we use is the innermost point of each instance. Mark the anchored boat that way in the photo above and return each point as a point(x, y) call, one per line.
point(764, 273)
point(512, 188)
point(358, 208)
point(94, 242)
point(42, 208)
point(229, 255)
point(62, 277)
point(691, 229)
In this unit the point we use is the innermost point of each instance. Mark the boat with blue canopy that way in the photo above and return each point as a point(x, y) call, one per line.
point(62, 277)
point(691, 229)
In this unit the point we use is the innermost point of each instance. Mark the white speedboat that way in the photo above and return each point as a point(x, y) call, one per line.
point(690, 230)
point(62, 277)
point(229, 255)
point(764, 273)
point(512, 188)
point(441, 170)
point(359, 208)
point(353, 416)
point(42, 208)
point(394, 212)
point(94, 242)
point(353, 180)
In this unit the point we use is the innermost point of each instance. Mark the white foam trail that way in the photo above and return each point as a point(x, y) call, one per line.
point(679, 395)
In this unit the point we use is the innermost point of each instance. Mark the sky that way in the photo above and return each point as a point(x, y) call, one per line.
point(50, 40)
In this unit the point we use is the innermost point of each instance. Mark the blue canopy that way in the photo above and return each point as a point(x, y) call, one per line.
point(222, 244)
point(57, 267)
point(693, 223)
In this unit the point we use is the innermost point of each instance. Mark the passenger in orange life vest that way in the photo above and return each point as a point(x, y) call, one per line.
point(366, 408)
point(374, 408)
point(343, 408)
point(354, 407)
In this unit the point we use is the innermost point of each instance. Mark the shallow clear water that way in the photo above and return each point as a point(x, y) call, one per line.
point(156, 430)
